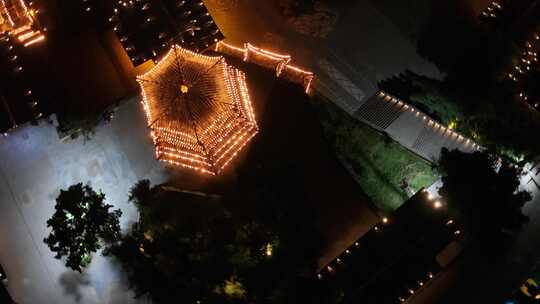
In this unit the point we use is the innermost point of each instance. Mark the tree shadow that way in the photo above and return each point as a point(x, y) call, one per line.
point(72, 281)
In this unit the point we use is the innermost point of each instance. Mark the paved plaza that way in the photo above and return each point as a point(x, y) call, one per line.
point(34, 166)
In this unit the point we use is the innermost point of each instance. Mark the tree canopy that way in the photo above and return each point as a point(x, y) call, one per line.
point(194, 247)
point(81, 219)
point(484, 190)
point(171, 256)
point(476, 96)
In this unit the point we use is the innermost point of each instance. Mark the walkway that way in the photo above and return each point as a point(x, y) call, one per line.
point(410, 127)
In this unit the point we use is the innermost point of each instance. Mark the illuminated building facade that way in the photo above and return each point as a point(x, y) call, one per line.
point(198, 109)
point(18, 20)
point(20, 31)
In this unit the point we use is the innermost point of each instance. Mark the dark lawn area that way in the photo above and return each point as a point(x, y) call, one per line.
point(291, 141)
point(388, 172)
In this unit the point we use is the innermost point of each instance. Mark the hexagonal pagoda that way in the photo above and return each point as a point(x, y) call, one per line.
point(198, 109)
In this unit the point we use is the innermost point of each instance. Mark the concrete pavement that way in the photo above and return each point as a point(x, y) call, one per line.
point(34, 166)
point(364, 48)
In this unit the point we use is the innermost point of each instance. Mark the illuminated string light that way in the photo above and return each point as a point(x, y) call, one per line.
point(446, 131)
point(269, 59)
point(379, 229)
point(5, 12)
point(35, 40)
point(20, 22)
point(198, 109)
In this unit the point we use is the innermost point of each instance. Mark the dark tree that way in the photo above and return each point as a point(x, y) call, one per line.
point(531, 89)
point(282, 204)
point(185, 248)
point(81, 219)
point(194, 247)
point(483, 190)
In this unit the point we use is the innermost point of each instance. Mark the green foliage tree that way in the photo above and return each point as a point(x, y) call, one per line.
point(492, 117)
point(483, 190)
point(476, 60)
point(315, 18)
point(281, 203)
point(428, 95)
point(75, 122)
point(81, 219)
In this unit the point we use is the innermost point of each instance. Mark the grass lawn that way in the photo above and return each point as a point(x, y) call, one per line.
point(379, 164)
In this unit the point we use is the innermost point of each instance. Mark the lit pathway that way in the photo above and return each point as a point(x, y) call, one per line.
point(34, 165)
point(410, 127)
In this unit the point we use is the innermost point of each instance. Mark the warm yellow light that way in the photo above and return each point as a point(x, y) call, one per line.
point(268, 250)
point(25, 35)
point(35, 40)
point(270, 59)
point(184, 88)
point(221, 119)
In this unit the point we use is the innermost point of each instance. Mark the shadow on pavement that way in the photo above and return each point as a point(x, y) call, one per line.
point(72, 282)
